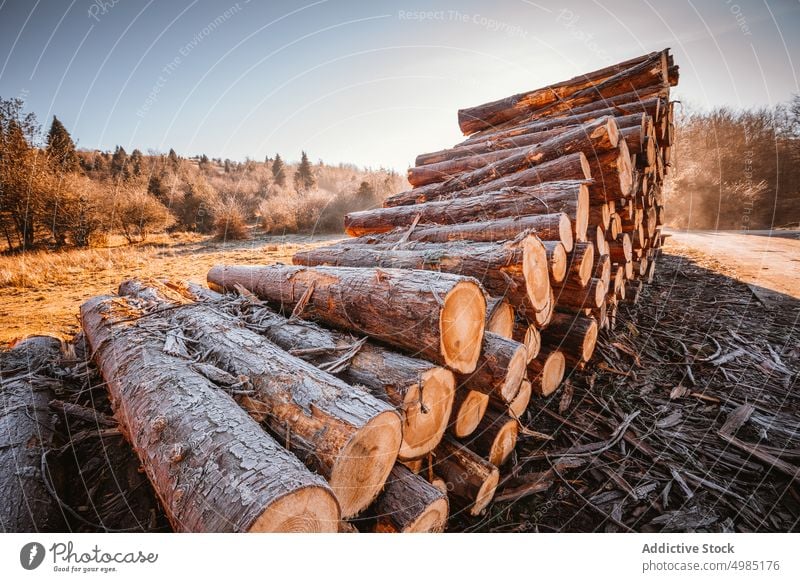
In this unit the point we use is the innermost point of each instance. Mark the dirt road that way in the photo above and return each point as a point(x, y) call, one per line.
point(760, 258)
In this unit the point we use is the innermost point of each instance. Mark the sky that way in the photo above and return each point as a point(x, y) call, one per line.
point(367, 82)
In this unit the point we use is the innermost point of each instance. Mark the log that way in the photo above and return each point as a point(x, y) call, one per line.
point(599, 215)
point(469, 407)
point(495, 437)
point(422, 392)
point(546, 372)
point(541, 318)
point(500, 369)
point(500, 316)
point(575, 297)
point(612, 174)
point(213, 468)
point(619, 106)
point(547, 227)
point(621, 250)
point(529, 336)
point(569, 196)
point(518, 406)
point(602, 271)
point(648, 100)
point(516, 271)
point(566, 95)
point(598, 136)
point(487, 146)
point(581, 263)
point(342, 432)
point(572, 166)
point(409, 504)
point(633, 291)
point(574, 335)
point(557, 261)
point(471, 480)
point(439, 316)
point(27, 432)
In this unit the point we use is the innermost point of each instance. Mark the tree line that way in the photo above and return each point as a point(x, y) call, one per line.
point(53, 194)
point(736, 169)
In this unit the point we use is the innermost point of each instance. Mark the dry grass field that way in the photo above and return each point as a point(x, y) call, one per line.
point(42, 291)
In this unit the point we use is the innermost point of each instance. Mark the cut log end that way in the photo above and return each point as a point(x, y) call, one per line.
point(485, 493)
point(516, 369)
point(427, 408)
point(500, 319)
point(308, 510)
point(546, 375)
point(535, 269)
point(558, 263)
point(565, 232)
point(468, 412)
point(519, 405)
point(504, 442)
point(462, 324)
point(433, 518)
point(589, 342)
point(361, 470)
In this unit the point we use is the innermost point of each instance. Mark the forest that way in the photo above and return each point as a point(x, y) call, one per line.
point(54, 195)
point(736, 169)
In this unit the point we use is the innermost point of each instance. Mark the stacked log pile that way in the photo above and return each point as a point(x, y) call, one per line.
point(553, 203)
point(379, 382)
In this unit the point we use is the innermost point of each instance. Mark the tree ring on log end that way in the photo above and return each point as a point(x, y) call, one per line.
point(553, 372)
point(427, 409)
point(486, 493)
point(565, 232)
point(518, 406)
point(515, 372)
point(470, 413)
point(504, 443)
point(433, 519)
point(308, 510)
point(589, 341)
point(535, 270)
point(364, 464)
point(461, 326)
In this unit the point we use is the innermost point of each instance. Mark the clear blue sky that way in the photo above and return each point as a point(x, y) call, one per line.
point(368, 82)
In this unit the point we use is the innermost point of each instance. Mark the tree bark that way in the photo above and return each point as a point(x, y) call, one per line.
point(422, 392)
point(409, 504)
point(574, 335)
point(612, 174)
point(471, 480)
point(598, 136)
point(500, 369)
point(574, 297)
point(555, 226)
point(27, 429)
point(564, 96)
point(581, 264)
point(516, 271)
point(439, 316)
point(556, 260)
point(509, 202)
point(341, 431)
point(573, 166)
point(213, 468)
point(486, 146)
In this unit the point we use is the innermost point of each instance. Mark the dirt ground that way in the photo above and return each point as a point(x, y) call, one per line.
point(51, 306)
point(769, 259)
